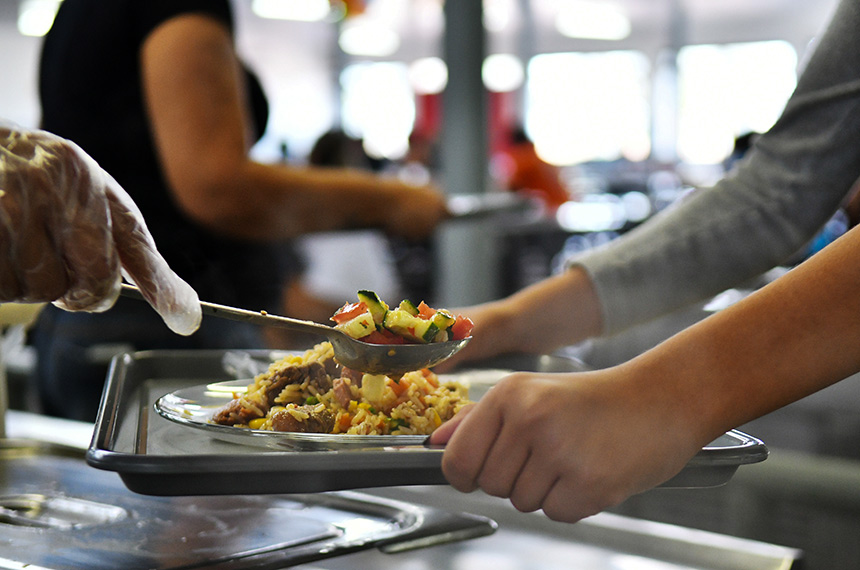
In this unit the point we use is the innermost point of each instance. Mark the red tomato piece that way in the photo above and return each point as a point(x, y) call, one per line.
point(349, 311)
point(424, 311)
point(384, 336)
point(461, 328)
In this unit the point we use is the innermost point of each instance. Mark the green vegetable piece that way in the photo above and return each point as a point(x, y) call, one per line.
point(377, 307)
point(403, 323)
point(409, 307)
point(358, 327)
point(443, 319)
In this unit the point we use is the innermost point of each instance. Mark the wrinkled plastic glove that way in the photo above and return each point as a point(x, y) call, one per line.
point(69, 232)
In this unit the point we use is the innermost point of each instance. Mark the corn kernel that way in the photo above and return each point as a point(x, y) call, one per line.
point(437, 420)
point(256, 423)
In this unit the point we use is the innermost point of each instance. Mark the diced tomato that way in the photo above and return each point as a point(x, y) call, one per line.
point(384, 336)
point(349, 311)
point(424, 311)
point(461, 328)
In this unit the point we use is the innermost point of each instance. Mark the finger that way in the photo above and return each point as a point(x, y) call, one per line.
point(88, 250)
point(533, 484)
point(41, 269)
point(565, 503)
point(506, 459)
point(444, 432)
point(468, 447)
point(169, 295)
point(36, 270)
point(67, 222)
point(10, 288)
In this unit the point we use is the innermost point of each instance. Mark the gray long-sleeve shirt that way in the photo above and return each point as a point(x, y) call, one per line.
point(762, 213)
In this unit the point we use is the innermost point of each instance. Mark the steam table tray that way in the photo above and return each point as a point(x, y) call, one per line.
point(156, 456)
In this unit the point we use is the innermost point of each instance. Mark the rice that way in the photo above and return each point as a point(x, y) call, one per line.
point(322, 397)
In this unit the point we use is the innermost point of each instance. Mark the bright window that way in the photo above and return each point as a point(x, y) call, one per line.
point(589, 106)
point(729, 90)
point(379, 107)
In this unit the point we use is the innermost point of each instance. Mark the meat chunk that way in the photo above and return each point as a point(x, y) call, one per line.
point(342, 392)
point(354, 376)
point(314, 371)
point(332, 367)
point(234, 412)
point(318, 377)
point(316, 422)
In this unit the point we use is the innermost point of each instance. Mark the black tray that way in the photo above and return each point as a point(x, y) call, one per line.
point(159, 457)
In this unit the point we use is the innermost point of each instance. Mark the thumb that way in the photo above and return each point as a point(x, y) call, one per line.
point(443, 433)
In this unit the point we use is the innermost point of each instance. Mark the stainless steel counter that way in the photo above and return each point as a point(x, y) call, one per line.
point(522, 541)
point(602, 542)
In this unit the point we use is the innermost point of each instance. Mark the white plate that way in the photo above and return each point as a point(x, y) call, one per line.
point(194, 407)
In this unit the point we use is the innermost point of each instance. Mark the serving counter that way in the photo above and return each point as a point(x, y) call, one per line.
point(373, 528)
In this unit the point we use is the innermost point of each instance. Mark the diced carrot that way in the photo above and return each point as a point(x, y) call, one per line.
point(344, 421)
point(399, 387)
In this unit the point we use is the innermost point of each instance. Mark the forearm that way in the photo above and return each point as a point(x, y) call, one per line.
point(556, 312)
point(788, 340)
point(254, 201)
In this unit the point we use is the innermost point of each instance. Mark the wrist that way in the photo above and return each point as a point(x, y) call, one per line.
point(560, 311)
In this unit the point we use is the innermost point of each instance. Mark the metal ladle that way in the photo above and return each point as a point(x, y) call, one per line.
point(362, 356)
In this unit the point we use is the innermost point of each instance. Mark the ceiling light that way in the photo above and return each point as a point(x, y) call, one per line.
point(35, 17)
point(428, 75)
point(591, 19)
point(300, 10)
point(363, 36)
point(502, 72)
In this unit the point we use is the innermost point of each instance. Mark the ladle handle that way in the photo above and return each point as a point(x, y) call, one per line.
point(234, 314)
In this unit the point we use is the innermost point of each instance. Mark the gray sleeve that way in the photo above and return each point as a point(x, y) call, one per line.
point(789, 185)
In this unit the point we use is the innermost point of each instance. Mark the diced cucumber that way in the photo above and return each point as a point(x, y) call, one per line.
point(407, 325)
point(408, 306)
point(358, 327)
point(430, 333)
point(441, 336)
point(375, 305)
point(443, 319)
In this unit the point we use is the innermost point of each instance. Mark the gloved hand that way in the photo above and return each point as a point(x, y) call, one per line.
point(68, 231)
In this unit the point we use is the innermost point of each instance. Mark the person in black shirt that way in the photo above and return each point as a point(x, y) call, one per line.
point(155, 93)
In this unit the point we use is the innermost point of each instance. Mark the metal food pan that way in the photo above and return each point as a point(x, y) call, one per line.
point(58, 513)
point(156, 456)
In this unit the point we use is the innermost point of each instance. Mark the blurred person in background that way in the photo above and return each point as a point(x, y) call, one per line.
point(575, 444)
point(69, 231)
point(155, 92)
point(522, 170)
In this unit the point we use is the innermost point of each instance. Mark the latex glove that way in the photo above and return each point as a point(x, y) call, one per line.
point(68, 232)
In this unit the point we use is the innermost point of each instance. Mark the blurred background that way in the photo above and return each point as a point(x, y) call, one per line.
point(628, 104)
point(629, 101)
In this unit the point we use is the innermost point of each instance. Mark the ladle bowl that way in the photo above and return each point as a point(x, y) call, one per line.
point(388, 359)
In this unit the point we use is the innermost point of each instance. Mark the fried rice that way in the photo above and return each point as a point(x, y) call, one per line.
point(311, 393)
